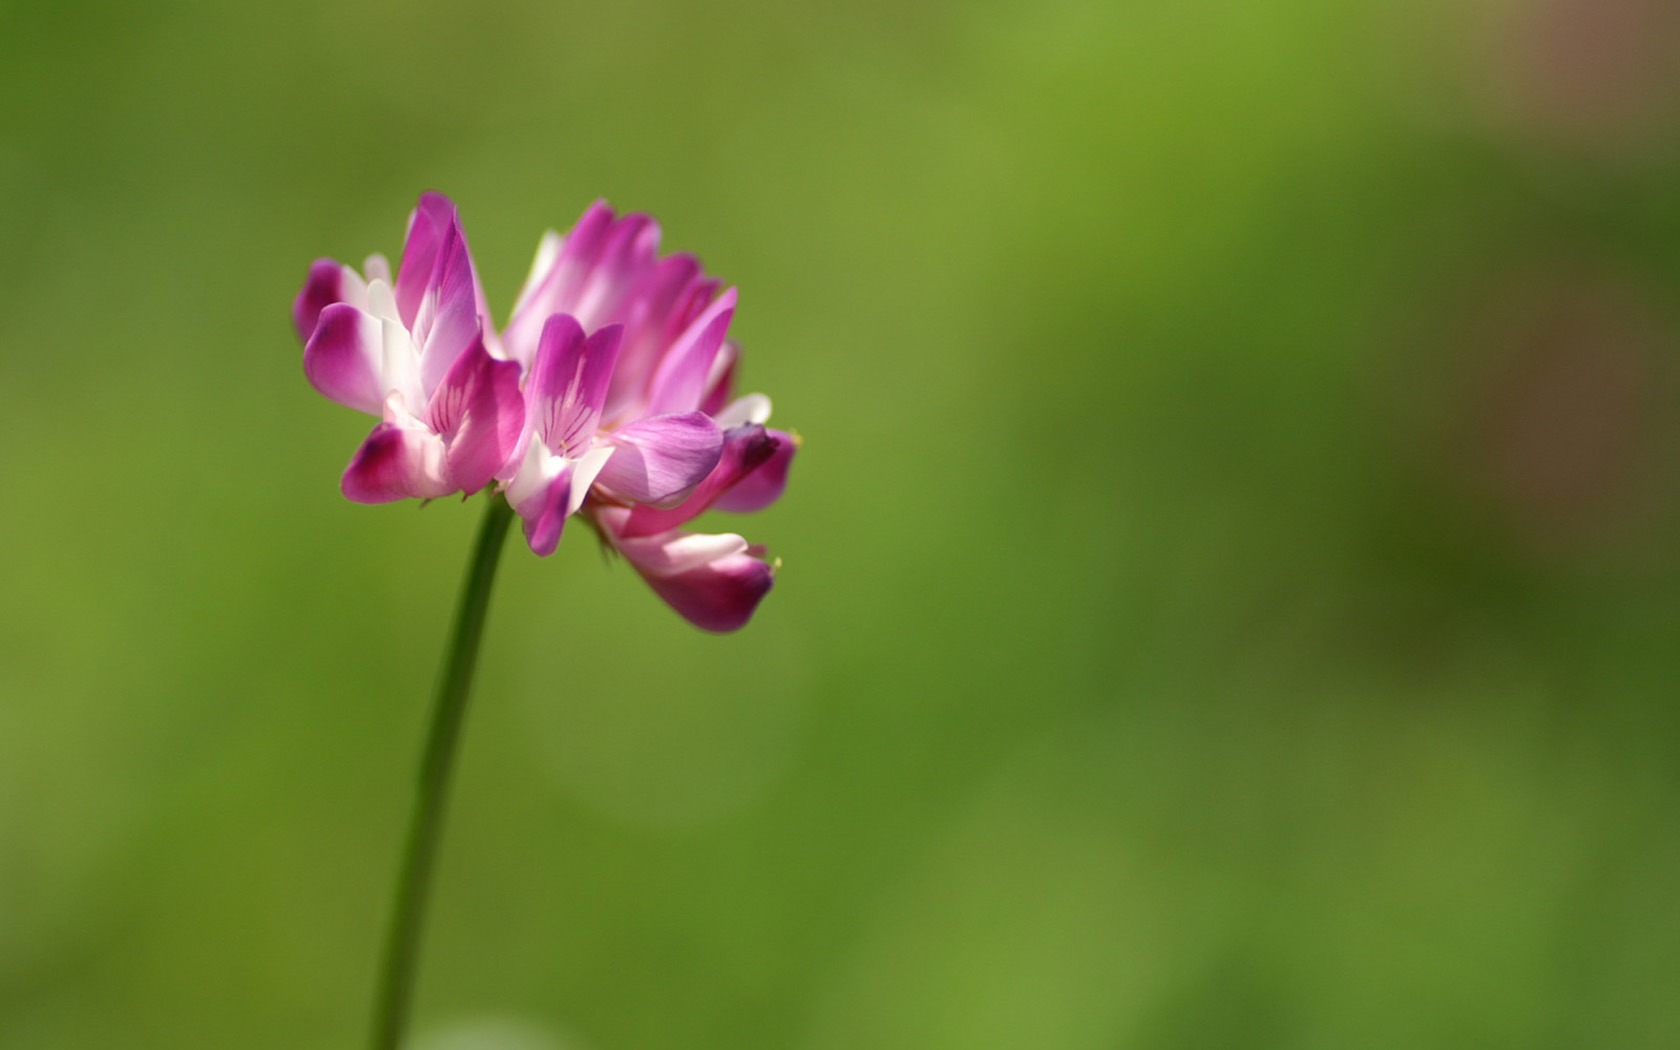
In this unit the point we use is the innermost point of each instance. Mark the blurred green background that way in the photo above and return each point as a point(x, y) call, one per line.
point(1231, 589)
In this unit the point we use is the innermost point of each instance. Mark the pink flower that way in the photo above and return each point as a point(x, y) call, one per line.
point(608, 395)
point(632, 424)
point(414, 353)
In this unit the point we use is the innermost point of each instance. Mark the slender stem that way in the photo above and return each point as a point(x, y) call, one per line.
point(402, 946)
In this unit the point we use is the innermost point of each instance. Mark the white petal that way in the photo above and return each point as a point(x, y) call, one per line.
point(539, 467)
point(753, 408)
point(584, 472)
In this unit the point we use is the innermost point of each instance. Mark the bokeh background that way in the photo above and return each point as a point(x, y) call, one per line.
point(1232, 576)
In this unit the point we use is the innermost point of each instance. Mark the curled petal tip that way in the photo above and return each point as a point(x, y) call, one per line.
point(325, 285)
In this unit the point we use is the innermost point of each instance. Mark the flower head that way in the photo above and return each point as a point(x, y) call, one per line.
point(609, 395)
point(648, 436)
point(414, 353)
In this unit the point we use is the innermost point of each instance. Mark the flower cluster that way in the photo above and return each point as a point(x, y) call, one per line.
point(609, 395)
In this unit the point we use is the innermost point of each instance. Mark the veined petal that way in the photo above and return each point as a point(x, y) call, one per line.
point(328, 282)
point(547, 489)
point(680, 379)
point(659, 460)
point(397, 461)
point(760, 487)
point(568, 383)
point(343, 358)
point(745, 450)
point(479, 413)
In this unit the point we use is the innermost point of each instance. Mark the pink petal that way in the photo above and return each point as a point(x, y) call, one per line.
point(680, 380)
point(568, 383)
point(714, 582)
point(447, 320)
point(720, 596)
point(429, 224)
point(745, 450)
point(721, 382)
point(479, 413)
point(669, 297)
point(325, 285)
point(628, 251)
point(545, 513)
point(763, 486)
point(342, 358)
point(554, 290)
point(396, 462)
point(661, 459)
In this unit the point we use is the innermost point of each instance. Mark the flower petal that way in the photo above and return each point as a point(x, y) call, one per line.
point(343, 357)
point(714, 582)
point(548, 253)
point(479, 413)
point(721, 383)
point(670, 295)
point(559, 268)
point(328, 282)
point(745, 449)
point(627, 252)
point(546, 511)
point(447, 321)
point(720, 596)
point(680, 380)
point(659, 460)
point(760, 487)
point(428, 226)
point(753, 408)
point(568, 383)
point(397, 461)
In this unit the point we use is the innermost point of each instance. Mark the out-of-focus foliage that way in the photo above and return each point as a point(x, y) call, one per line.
point(1232, 586)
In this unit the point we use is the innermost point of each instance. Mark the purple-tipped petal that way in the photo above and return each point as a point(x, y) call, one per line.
point(447, 321)
point(627, 252)
point(428, 225)
point(680, 380)
point(568, 383)
point(342, 358)
point(563, 266)
point(714, 582)
point(720, 596)
point(545, 513)
point(763, 486)
point(479, 413)
point(328, 282)
point(654, 315)
point(745, 450)
point(396, 462)
point(659, 460)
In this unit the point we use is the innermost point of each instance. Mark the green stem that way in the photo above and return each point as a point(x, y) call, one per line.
point(402, 946)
